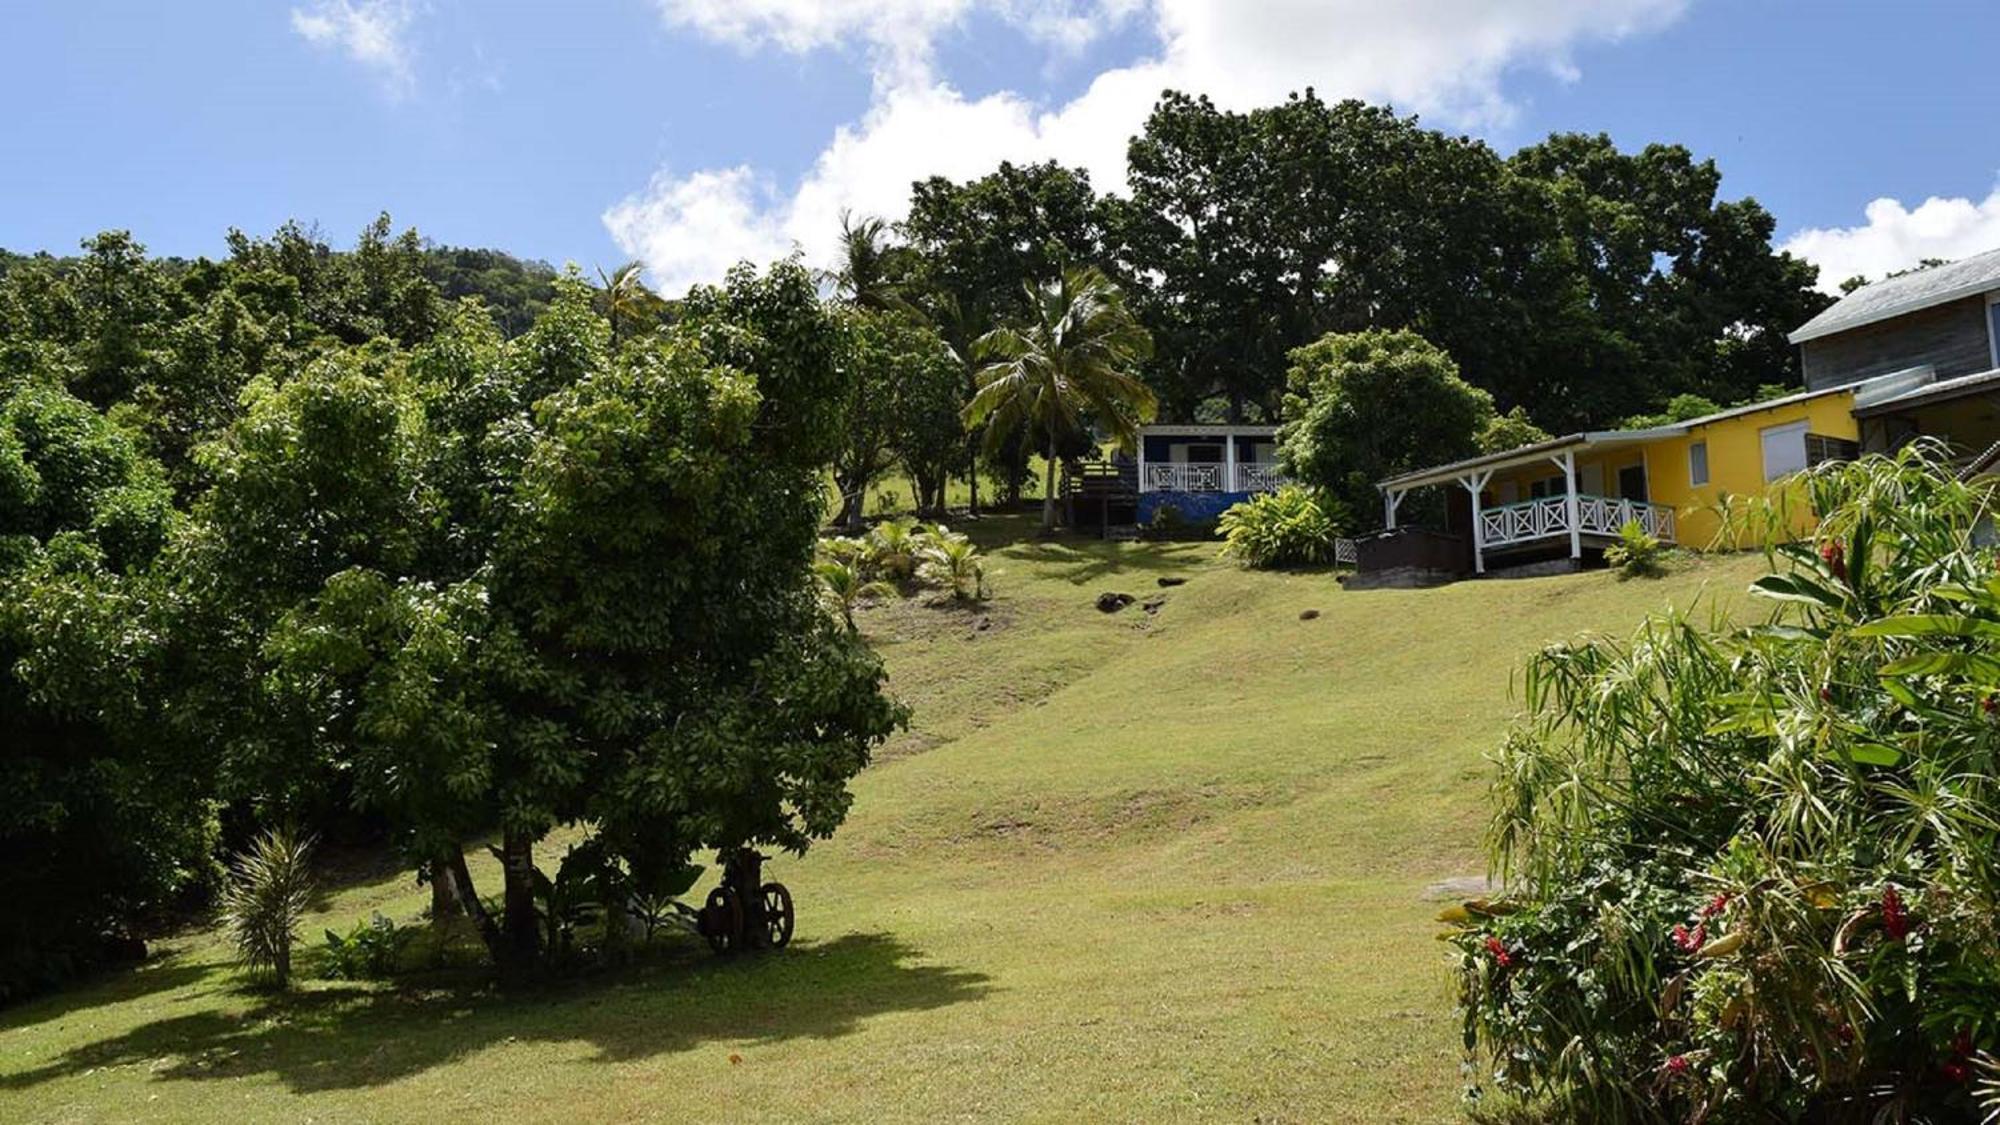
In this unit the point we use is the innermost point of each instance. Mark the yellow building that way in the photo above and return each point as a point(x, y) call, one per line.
point(1560, 498)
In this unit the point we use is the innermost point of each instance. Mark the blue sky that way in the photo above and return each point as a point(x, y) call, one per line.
point(690, 132)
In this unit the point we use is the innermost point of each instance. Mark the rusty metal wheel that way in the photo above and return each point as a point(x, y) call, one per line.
point(777, 915)
point(722, 920)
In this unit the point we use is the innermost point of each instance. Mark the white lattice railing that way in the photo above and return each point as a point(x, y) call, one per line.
point(1207, 476)
point(1549, 515)
point(1344, 552)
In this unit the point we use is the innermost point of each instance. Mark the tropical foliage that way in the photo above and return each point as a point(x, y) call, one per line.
point(1751, 870)
point(1289, 527)
point(1370, 405)
point(270, 889)
point(1070, 368)
point(1637, 554)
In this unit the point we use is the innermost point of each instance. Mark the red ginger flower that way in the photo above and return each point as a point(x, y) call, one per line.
point(1691, 940)
point(1500, 955)
point(1677, 1065)
point(1895, 919)
point(1835, 557)
point(1715, 905)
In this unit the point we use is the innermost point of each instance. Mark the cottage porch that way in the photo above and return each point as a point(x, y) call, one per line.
point(1561, 517)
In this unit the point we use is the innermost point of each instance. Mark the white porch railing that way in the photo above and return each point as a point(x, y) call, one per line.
point(1548, 516)
point(1207, 476)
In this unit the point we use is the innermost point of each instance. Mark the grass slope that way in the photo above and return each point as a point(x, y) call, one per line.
point(1124, 867)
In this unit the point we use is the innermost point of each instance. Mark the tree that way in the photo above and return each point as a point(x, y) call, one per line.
point(873, 272)
point(1367, 405)
point(1071, 364)
point(542, 583)
point(902, 406)
point(1511, 430)
point(626, 303)
point(108, 821)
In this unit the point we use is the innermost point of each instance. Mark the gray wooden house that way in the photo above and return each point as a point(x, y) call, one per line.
point(1941, 324)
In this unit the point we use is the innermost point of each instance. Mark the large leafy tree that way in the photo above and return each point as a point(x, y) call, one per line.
point(547, 582)
point(107, 820)
point(1367, 405)
point(1070, 365)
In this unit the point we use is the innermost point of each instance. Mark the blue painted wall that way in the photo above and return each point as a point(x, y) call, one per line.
point(1195, 507)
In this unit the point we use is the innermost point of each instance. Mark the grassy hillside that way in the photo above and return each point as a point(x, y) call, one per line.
point(1141, 866)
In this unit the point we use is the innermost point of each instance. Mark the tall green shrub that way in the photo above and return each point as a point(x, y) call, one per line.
point(270, 890)
point(1752, 868)
point(1289, 527)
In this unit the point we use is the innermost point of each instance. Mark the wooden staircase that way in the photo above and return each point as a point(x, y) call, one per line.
point(1103, 495)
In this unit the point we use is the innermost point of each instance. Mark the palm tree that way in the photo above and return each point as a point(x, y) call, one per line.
point(951, 561)
point(1074, 356)
point(625, 300)
point(842, 588)
point(871, 269)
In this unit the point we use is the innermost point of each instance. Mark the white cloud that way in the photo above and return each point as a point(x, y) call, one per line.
point(371, 32)
point(1896, 238)
point(1441, 57)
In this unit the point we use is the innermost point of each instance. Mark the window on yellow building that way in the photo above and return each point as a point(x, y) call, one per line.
point(1698, 463)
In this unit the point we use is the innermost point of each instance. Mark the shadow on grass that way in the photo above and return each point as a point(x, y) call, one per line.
point(122, 985)
point(1081, 561)
point(347, 1038)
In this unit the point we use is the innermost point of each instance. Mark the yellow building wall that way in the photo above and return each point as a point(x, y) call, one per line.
point(1736, 463)
point(1735, 466)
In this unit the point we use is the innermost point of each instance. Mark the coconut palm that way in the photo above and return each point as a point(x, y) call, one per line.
point(626, 302)
point(842, 587)
point(951, 561)
point(893, 547)
point(871, 266)
point(1074, 357)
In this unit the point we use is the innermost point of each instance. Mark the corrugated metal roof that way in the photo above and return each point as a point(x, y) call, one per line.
point(1896, 296)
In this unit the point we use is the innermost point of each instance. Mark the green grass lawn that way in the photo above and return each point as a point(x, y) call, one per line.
point(1134, 867)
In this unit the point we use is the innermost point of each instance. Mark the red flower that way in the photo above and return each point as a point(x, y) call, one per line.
point(1500, 955)
point(1990, 704)
point(1691, 940)
point(1955, 1073)
point(1895, 920)
point(1715, 905)
point(1835, 557)
point(1825, 694)
point(1677, 1065)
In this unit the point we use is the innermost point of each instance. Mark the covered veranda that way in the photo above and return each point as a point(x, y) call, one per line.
point(1551, 498)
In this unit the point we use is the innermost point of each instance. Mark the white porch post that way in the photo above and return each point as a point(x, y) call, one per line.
point(1571, 512)
point(1142, 462)
point(1473, 484)
point(1230, 483)
point(1391, 500)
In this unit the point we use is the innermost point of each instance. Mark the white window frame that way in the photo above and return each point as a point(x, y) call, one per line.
point(1698, 480)
point(1764, 436)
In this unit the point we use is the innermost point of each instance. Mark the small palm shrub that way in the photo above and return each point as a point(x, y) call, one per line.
point(1289, 527)
point(893, 548)
point(1752, 870)
point(1636, 554)
point(953, 563)
point(270, 888)
point(844, 586)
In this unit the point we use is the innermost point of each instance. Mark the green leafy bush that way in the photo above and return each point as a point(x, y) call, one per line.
point(950, 560)
point(1752, 870)
point(270, 889)
point(369, 951)
point(1289, 527)
point(1636, 554)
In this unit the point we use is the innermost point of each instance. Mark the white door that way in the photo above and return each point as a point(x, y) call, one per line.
point(1784, 449)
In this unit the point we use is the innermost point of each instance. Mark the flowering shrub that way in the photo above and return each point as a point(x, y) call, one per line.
point(1754, 870)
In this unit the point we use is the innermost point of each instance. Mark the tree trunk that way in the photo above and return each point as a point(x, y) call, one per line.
point(1049, 487)
point(468, 901)
point(444, 892)
point(521, 930)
